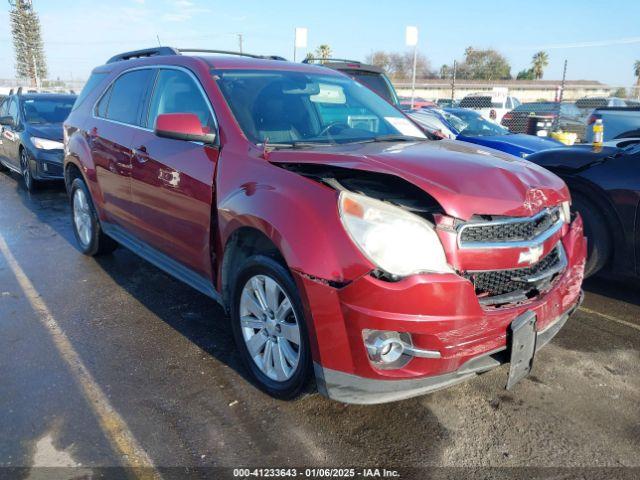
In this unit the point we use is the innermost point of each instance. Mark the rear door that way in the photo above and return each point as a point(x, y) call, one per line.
point(110, 133)
point(172, 181)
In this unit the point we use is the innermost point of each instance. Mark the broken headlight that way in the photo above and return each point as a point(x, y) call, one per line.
point(398, 242)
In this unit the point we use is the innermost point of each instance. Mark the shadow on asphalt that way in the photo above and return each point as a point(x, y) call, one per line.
point(625, 290)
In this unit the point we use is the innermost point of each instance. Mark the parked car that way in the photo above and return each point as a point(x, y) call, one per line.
point(418, 103)
point(563, 116)
point(470, 126)
point(339, 238)
point(618, 122)
point(32, 135)
point(370, 76)
point(447, 102)
point(605, 188)
point(586, 105)
point(491, 106)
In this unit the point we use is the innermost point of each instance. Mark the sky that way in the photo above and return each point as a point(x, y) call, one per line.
point(82, 34)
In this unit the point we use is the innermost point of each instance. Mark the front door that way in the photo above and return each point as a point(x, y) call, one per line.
point(172, 180)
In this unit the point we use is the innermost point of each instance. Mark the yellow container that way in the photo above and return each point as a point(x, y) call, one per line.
point(564, 137)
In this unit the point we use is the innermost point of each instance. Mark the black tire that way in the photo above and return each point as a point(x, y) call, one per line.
point(98, 243)
point(30, 183)
point(595, 229)
point(263, 265)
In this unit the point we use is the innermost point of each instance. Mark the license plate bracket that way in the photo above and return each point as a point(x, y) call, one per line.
point(523, 347)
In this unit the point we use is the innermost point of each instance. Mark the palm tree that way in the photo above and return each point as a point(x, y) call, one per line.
point(538, 62)
point(323, 52)
point(636, 71)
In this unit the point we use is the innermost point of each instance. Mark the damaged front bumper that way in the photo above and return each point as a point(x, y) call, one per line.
point(350, 388)
point(441, 313)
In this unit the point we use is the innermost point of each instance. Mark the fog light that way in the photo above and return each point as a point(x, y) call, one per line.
point(386, 349)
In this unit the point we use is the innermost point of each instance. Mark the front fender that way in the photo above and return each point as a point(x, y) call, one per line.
point(299, 215)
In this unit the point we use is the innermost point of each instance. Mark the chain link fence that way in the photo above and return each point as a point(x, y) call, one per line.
point(561, 110)
point(46, 85)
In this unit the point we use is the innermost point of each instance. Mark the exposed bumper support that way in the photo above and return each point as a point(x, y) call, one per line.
point(348, 388)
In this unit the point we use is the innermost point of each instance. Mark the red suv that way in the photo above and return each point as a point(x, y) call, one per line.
point(343, 243)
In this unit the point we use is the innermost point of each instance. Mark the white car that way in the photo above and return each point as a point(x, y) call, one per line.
point(491, 105)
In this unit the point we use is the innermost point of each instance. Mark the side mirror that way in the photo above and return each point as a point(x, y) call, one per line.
point(182, 126)
point(7, 120)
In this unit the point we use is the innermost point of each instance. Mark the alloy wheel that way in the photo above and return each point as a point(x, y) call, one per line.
point(82, 217)
point(26, 170)
point(270, 328)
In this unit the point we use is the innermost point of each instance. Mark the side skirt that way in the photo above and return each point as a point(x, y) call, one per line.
point(162, 261)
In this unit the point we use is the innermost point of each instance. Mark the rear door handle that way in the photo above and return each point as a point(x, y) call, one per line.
point(140, 154)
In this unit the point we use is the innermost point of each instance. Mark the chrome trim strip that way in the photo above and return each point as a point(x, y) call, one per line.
point(419, 352)
point(557, 245)
point(544, 236)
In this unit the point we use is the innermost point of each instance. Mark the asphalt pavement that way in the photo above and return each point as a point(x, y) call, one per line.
point(110, 362)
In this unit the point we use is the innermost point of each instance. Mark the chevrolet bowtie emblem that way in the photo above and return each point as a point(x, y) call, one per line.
point(532, 255)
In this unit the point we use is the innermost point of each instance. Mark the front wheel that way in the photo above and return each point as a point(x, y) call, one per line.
point(86, 226)
point(269, 327)
point(25, 169)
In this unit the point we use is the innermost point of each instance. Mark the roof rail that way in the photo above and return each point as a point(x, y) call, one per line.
point(329, 60)
point(145, 52)
point(230, 52)
point(158, 51)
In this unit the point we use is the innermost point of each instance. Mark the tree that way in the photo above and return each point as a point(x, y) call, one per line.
point(526, 74)
point(484, 65)
point(620, 92)
point(399, 66)
point(323, 52)
point(538, 62)
point(309, 56)
point(27, 41)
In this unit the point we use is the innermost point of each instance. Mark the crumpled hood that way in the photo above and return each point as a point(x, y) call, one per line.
point(50, 131)
point(463, 178)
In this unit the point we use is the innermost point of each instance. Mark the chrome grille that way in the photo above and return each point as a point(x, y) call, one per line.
point(512, 230)
point(509, 286)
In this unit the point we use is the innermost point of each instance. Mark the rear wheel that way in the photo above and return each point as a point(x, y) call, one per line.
point(269, 327)
point(27, 175)
point(595, 229)
point(86, 226)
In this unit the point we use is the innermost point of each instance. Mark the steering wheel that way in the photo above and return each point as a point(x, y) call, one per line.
point(326, 129)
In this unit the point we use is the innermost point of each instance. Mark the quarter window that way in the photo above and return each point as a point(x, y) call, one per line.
point(177, 92)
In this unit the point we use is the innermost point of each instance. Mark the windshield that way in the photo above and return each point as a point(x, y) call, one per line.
point(47, 110)
point(284, 107)
point(473, 124)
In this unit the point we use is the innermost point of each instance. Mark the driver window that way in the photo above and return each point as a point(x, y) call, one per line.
point(176, 92)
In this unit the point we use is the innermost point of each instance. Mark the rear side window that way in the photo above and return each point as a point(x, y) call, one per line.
point(177, 92)
point(123, 100)
point(92, 83)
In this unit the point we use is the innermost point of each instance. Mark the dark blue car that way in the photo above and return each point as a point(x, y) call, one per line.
point(31, 135)
point(470, 126)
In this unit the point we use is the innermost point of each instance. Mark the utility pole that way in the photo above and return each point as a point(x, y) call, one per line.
point(411, 37)
point(453, 82)
point(240, 42)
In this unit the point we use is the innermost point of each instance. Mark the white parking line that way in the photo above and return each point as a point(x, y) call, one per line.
point(113, 425)
point(609, 317)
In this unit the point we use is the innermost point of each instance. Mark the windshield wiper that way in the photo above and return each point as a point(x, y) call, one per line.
point(296, 144)
point(397, 138)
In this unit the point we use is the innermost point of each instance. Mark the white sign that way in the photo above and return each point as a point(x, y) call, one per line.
point(301, 37)
point(411, 36)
